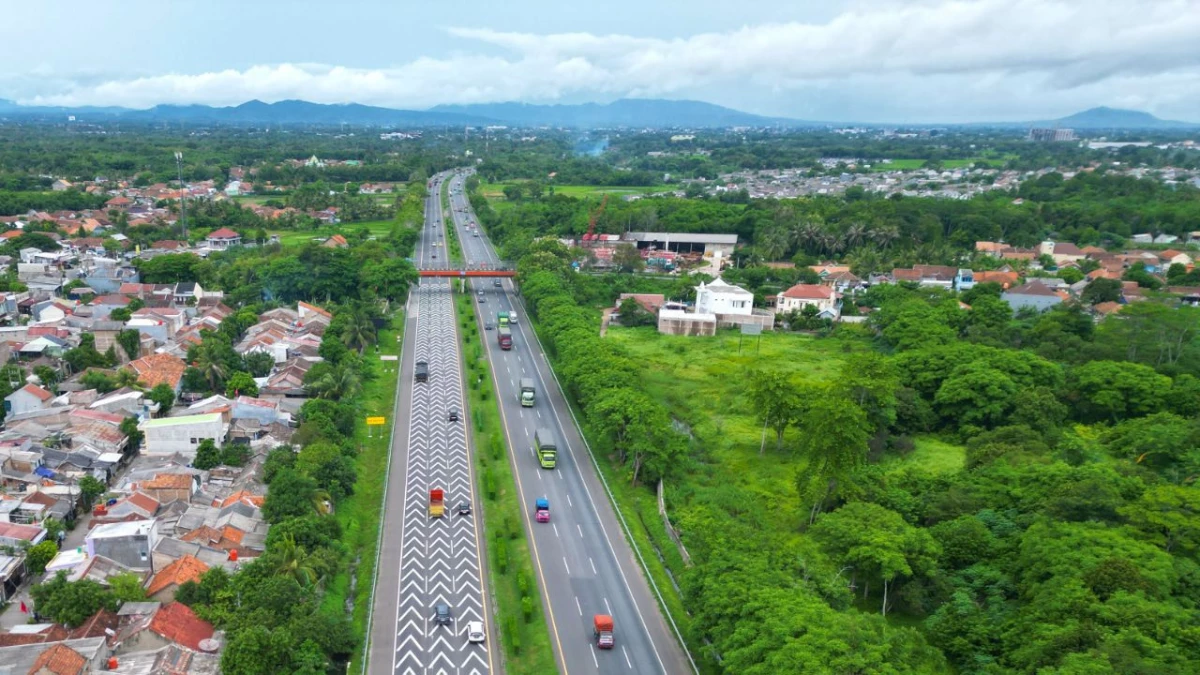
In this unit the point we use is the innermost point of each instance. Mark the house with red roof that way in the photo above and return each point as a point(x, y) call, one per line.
point(168, 580)
point(825, 299)
point(223, 238)
point(28, 398)
point(159, 369)
point(60, 660)
point(176, 622)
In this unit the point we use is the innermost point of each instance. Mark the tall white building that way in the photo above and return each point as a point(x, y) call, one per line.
point(722, 298)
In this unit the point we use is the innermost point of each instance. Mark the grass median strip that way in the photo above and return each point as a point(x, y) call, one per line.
point(524, 634)
point(360, 514)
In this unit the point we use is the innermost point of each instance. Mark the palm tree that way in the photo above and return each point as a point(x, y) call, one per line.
point(772, 242)
point(359, 332)
point(210, 365)
point(855, 234)
point(293, 561)
point(885, 236)
point(338, 383)
point(808, 234)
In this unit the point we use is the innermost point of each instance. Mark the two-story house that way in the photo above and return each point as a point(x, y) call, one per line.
point(719, 297)
point(827, 301)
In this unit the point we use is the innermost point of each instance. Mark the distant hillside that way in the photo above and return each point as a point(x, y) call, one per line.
point(1115, 118)
point(255, 112)
point(303, 112)
point(624, 112)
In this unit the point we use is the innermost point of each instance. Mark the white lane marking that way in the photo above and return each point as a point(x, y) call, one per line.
point(607, 607)
point(627, 661)
point(539, 475)
point(569, 501)
point(594, 655)
point(593, 564)
point(578, 606)
point(580, 530)
point(555, 529)
point(569, 573)
point(539, 414)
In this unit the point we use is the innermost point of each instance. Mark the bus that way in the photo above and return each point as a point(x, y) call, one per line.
point(543, 448)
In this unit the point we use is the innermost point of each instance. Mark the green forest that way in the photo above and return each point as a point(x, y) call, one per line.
point(1062, 537)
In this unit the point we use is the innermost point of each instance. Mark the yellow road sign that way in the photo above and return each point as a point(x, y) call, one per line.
point(376, 421)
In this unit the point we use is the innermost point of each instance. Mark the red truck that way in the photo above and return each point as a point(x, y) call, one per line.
point(504, 337)
point(602, 631)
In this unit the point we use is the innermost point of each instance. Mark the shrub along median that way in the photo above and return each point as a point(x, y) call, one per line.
point(522, 625)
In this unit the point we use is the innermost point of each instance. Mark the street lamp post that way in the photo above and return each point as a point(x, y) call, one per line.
point(182, 194)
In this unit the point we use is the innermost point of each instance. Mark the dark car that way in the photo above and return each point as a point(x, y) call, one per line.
point(422, 371)
point(442, 615)
point(452, 415)
point(464, 508)
point(488, 326)
point(496, 283)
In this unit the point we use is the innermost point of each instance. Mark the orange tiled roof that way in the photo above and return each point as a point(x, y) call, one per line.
point(159, 368)
point(178, 623)
point(177, 481)
point(809, 292)
point(242, 495)
point(60, 660)
point(187, 568)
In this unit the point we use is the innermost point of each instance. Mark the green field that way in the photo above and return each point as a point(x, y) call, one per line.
point(913, 164)
point(377, 228)
point(496, 190)
point(702, 383)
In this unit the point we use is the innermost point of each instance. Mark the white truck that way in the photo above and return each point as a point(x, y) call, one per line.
point(528, 391)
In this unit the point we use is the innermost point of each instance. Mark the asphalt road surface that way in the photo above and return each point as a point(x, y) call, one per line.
point(583, 562)
point(425, 561)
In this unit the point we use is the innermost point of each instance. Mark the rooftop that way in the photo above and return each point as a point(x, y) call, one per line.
point(162, 422)
point(187, 568)
point(60, 660)
point(159, 368)
point(808, 292)
point(178, 623)
point(135, 528)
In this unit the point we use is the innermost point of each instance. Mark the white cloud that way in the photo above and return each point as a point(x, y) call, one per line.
point(1069, 52)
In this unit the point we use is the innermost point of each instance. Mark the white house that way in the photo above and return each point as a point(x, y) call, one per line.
point(722, 298)
point(825, 299)
point(129, 543)
point(169, 435)
point(223, 238)
point(27, 398)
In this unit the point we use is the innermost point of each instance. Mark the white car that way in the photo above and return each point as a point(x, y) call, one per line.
point(475, 631)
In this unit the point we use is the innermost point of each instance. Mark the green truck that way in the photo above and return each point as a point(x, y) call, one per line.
point(502, 318)
point(544, 448)
point(528, 391)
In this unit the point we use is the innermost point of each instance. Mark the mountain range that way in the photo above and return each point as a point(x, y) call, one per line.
point(636, 113)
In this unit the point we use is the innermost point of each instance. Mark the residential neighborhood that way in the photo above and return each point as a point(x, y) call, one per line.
point(134, 429)
point(1029, 280)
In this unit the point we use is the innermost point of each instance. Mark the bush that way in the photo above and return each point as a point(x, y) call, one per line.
point(501, 546)
point(489, 484)
point(527, 608)
point(37, 557)
point(514, 638)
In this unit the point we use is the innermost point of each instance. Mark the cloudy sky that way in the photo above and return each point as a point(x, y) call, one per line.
point(844, 60)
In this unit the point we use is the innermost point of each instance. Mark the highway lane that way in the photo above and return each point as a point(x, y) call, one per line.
point(585, 565)
point(425, 561)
